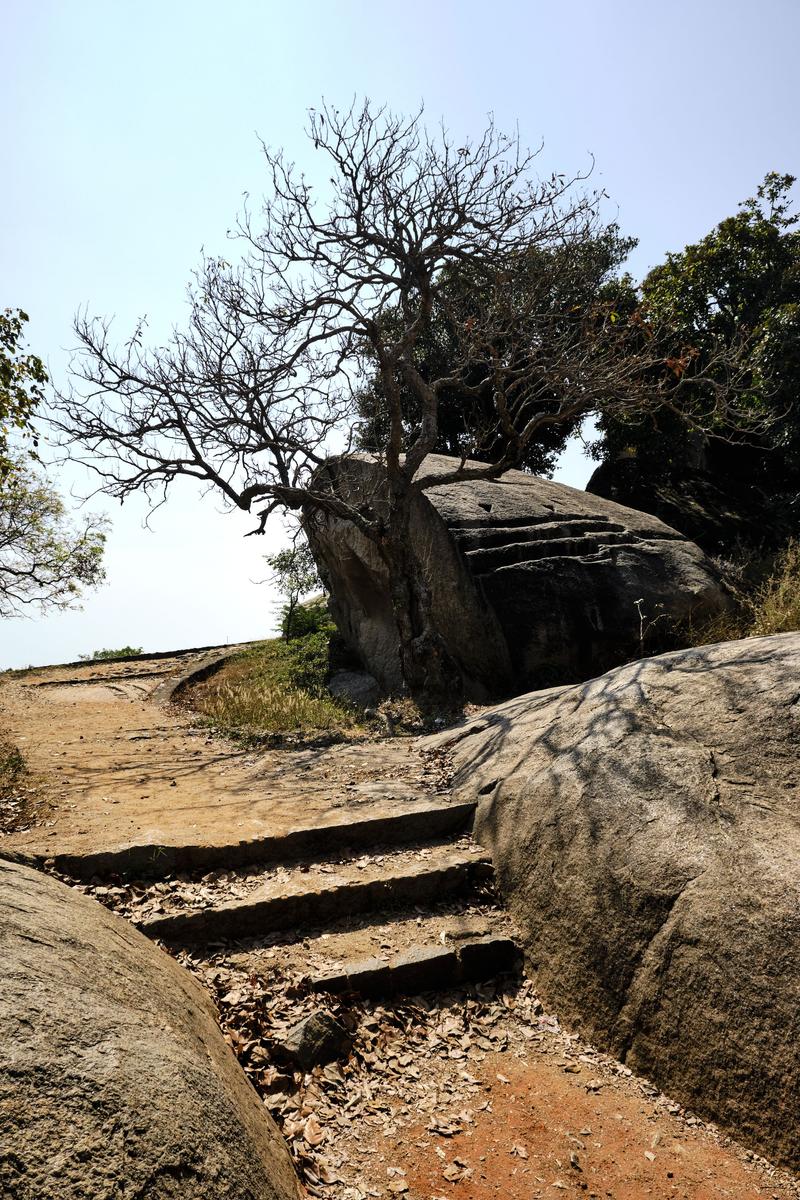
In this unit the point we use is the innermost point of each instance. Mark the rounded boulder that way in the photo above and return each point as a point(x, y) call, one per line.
point(115, 1079)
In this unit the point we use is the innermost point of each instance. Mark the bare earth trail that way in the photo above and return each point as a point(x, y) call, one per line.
point(126, 770)
point(345, 879)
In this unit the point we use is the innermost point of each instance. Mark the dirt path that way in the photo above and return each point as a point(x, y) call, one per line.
point(124, 770)
point(472, 1091)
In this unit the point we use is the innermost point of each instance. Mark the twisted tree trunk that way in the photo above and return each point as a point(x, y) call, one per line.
point(430, 672)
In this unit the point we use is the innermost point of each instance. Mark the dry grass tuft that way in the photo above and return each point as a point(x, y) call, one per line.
point(776, 605)
point(769, 606)
point(254, 695)
point(274, 708)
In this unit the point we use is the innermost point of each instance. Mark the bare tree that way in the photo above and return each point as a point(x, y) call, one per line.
point(260, 388)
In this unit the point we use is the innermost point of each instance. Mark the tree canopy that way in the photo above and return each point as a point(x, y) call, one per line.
point(558, 282)
point(738, 286)
point(45, 560)
point(417, 236)
point(22, 382)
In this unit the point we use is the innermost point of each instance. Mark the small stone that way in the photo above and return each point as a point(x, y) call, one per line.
point(315, 1040)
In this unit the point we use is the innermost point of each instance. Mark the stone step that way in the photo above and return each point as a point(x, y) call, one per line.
point(150, 860)
point(310, 897)
point(503, 535)
point(494, 558)
point(334, 949)
point(423, 968)
point(198, 670)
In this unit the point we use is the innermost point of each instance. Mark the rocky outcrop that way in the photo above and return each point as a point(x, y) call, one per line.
point(533, 583)
point(719, 511)
point(645, 830)
point(114, 1077)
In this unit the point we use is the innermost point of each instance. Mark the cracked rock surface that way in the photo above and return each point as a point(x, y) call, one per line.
point(645, 830)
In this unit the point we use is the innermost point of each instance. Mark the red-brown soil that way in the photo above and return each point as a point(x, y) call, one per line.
point(544, 1134)
point(114, 767)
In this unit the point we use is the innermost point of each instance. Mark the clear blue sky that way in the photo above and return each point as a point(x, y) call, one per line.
point(130, 136)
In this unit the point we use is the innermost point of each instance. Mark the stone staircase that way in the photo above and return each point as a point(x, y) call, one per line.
point(425, 903)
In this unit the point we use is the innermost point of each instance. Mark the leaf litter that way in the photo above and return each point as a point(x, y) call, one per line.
point(341, 1120)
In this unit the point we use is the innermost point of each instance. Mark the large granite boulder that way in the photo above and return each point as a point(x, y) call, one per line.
point(645, 830)
point(721, 511)
point(533, 583)
point(114, 1077)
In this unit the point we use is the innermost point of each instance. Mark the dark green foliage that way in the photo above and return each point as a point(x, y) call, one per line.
point(306, 619)
point(739, 286)
point(307, 662)
point(306, 648)
point(556, 288)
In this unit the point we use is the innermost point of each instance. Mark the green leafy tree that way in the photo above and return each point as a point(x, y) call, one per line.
point(111, 655)
point(737, 287)
point(22, 383)
point(294, 575)
point(554, 285)
point(45, 560)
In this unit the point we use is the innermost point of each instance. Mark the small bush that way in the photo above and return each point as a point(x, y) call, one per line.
point(307, 662)
point(108, 655)
point(300, 620)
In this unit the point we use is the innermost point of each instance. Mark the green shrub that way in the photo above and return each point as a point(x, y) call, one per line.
point(300, 620)
point(108, 655)
point(307, 662)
